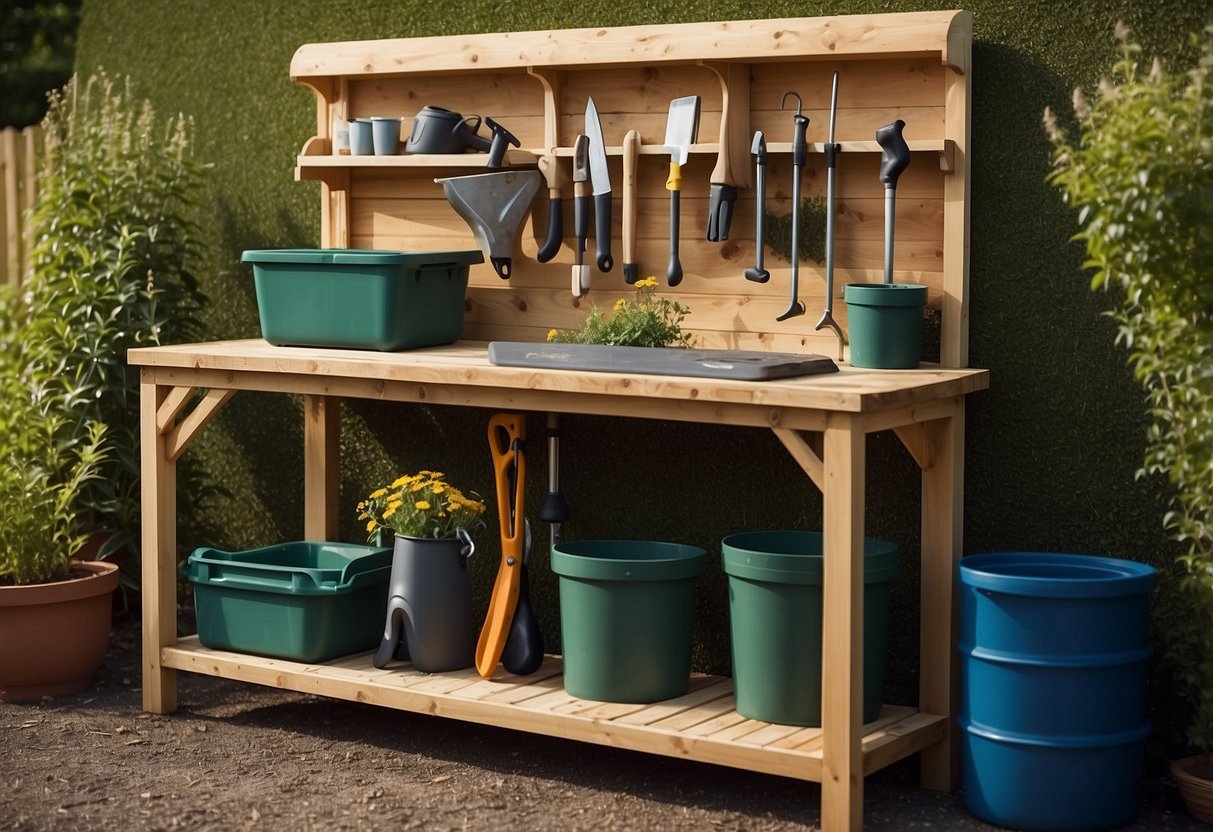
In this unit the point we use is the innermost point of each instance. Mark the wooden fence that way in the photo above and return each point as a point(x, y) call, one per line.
point(19, 149)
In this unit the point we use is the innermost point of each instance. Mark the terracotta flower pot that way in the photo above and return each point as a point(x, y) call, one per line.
point(1194, 776)
point(55, 635)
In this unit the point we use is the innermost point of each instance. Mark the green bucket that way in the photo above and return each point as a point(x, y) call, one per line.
point(626, 613)
point(775, 615)
point(885, 324)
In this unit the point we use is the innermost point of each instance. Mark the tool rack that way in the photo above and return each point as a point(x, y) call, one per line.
point(913, 66)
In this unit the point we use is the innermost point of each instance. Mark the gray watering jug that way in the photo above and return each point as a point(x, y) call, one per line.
point(438, 130)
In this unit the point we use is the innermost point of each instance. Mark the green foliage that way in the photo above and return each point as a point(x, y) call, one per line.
point(1141, 176)
point(37, 44)
point(648, 321)
point(112, 238)
point(419, 505)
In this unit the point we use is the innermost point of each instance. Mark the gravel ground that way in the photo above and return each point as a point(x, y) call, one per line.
point(239, 756)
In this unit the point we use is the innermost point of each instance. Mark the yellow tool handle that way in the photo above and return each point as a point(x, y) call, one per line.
point(674, 183)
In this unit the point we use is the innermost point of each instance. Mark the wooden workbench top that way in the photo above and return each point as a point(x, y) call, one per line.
point(466, 364)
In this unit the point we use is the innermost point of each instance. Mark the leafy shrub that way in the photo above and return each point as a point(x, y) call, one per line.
point(113, 235)
point(1141, 176)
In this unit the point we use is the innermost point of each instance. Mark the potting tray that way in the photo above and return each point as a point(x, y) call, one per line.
point(308, 601)
point(361, 299)
point(746, 365)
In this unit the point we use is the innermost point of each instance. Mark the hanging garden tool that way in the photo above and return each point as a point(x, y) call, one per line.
point(894, 159)
point(581, 214)
point(601, 180)
point(800, 153)
point(759, 151)
point(831, 150)
point(681, 128)
point(631, 155)
point(556, 179)
point(507, 433)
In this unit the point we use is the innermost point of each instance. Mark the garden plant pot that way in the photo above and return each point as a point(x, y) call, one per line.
point(1054, 655)
point(775, 607)
point(429, 617)
point(53, 636)
point(627, 609)
point(1194, 777)
point(885, 324)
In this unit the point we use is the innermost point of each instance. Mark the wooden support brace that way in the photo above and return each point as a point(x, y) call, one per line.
point(183, 434)
point(808, 459)
point(166, 412)
point(918, 441)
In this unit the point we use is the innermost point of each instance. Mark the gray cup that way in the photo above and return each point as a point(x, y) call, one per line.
point(361, 140)
point(386, 135)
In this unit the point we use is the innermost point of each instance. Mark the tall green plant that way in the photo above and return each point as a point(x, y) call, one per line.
point(113, 239)
point(1141, 176)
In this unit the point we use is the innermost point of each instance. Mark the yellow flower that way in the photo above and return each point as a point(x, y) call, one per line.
point(378, 492)
point(389, 512)
point(370, 527)
point(621, 304)
point(422, 505)
point(406, 478)
point(647, 283)
point(552, 334)
point(439, 488)
point(395, 504)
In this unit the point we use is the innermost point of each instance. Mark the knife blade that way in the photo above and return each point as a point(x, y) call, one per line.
point(581, 213)
point(681, 129)
point(602, 188)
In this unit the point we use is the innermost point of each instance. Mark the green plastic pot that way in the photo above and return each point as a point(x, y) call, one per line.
point(775, 617)
point(627, 608)
point(885, 324)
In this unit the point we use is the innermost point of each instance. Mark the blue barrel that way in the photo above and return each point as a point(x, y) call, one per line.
point(1054, 658)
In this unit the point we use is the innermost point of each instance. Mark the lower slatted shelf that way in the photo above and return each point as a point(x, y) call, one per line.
point(700, 725)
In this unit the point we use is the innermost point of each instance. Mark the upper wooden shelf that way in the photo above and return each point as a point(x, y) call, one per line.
point(944, 34)
point(529, 157)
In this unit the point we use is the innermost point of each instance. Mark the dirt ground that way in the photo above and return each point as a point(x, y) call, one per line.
point(238, 756)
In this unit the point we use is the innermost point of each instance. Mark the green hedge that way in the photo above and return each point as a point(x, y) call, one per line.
point(1051, 448)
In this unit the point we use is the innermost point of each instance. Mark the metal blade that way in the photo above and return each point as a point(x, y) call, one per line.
point(581, 159)
point(682, 127)
point(598, 161)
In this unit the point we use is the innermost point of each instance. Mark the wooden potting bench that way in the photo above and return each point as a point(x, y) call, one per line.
point(912, 66)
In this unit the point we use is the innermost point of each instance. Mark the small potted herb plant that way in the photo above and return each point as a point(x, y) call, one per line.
point(647, 321)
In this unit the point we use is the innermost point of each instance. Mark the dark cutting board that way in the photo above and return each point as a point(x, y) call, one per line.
point(746, 365)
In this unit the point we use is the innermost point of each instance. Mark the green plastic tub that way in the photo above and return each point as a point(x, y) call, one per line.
point(885, 324)
point(775, 615)
point(627, 609)
point(308, 601)
point(360, 299)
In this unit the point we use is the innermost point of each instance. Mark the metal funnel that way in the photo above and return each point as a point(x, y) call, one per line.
point(494, 206)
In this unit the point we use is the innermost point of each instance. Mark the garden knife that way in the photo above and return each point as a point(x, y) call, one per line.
point(602, 188)
point(581, 214)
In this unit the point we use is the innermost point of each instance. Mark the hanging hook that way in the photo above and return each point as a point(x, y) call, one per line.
point(784, 100)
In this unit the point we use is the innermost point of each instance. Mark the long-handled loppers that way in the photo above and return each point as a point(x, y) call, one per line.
point(507, 435)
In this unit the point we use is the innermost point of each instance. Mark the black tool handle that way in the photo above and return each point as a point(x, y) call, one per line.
point(800, 148)
point(895, 155)
point(602, 231)
point(501, 141)
point(551, 244)
point(720, 211)
point(674, 271)
point(581, 220)
point(523, 651)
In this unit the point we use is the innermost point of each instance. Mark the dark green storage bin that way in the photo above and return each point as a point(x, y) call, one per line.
point(308, 601)
point(627, 609)
point(359, 298)
point(775, 608)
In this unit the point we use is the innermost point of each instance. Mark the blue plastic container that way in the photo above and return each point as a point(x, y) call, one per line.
point(1054, 656)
